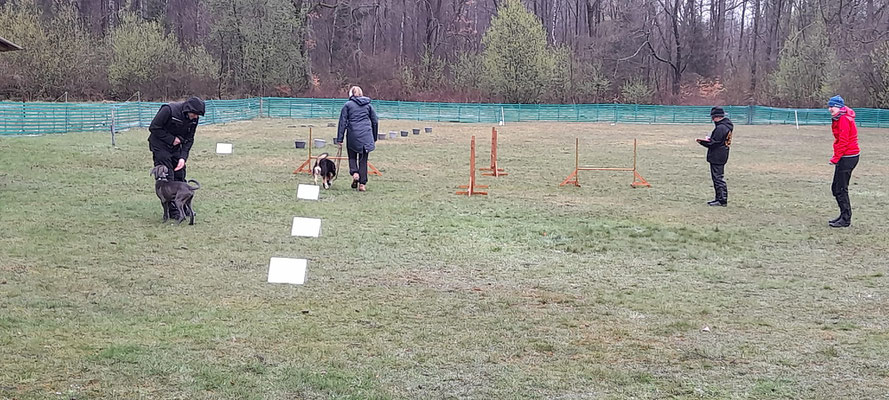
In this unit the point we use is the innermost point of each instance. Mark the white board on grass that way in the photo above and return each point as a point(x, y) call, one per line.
point(308, 192)
point(287, 270)
point(223, 148)
point(306, 227)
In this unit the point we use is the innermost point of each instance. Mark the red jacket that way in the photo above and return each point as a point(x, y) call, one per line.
point(845, 135)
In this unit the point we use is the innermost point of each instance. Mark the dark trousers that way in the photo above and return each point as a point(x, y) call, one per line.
point(170, 160)
point(842, 174)
point(717, 172)
point(358, 163)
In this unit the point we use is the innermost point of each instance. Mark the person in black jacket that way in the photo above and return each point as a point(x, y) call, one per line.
point(717, 145)
point(172, 135)
point(359, 119)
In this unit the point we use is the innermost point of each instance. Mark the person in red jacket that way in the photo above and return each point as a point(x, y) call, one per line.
point(845, 157)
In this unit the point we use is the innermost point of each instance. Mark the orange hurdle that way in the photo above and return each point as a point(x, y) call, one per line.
point(495, 171)
point(470, 188)
point(306, 166)
point(638, 180)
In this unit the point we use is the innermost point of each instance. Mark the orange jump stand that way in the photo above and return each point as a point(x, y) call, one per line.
point(638, 180)
point(494, 169)
point(470, 188)
point(306, 166)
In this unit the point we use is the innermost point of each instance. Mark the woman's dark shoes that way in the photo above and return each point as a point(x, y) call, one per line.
point(716, 203)
point(355, 181)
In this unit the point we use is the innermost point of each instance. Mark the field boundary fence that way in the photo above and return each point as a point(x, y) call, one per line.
point(34, 118)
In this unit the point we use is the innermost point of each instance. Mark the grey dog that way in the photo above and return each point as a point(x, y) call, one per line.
point(180, 193)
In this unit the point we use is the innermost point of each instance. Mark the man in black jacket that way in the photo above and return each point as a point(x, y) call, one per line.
point(717, 145)
point(172, 135)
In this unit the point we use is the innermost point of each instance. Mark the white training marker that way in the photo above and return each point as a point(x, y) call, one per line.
point(287, 270)
point(308, 192)
point(223, 148)
point(306, 227)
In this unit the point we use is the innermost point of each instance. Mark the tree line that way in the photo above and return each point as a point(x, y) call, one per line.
point(773, 52)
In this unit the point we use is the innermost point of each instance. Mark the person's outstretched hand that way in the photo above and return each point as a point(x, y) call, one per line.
point(180, 165)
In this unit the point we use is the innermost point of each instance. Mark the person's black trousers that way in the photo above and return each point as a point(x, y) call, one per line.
point(717, 172)
point(841, 176)
point(170, 161)
point(358, 163)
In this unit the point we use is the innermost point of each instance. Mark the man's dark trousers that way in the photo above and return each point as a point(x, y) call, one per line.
point(170, 160)
point(717, 172)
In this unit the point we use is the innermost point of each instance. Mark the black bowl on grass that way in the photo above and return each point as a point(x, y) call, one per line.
point(300, 144)
point(416, 131)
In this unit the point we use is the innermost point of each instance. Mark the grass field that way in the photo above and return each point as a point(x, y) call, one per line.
point(412, 292)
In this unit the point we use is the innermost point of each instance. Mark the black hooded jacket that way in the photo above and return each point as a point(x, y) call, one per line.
point(359, 119)
point(171, 122)
point(720, 140)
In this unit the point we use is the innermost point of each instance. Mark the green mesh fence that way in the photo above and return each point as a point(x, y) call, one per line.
point(616, 113)
point(41, 118)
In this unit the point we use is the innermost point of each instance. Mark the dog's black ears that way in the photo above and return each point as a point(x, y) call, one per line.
point(156, 170)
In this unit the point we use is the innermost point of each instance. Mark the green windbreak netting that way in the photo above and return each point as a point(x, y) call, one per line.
point(40, 118)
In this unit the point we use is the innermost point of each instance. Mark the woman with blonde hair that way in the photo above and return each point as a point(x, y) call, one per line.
point(359, 124)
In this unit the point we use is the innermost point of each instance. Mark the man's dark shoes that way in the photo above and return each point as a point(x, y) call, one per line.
point(835, 220)
point(174, 212)
point(841, 223)
point(716, 203)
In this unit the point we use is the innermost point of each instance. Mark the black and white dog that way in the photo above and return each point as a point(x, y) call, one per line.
point(325, 169)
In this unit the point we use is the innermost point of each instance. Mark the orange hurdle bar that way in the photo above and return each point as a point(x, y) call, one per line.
point(638, 180)
point(306, 166)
